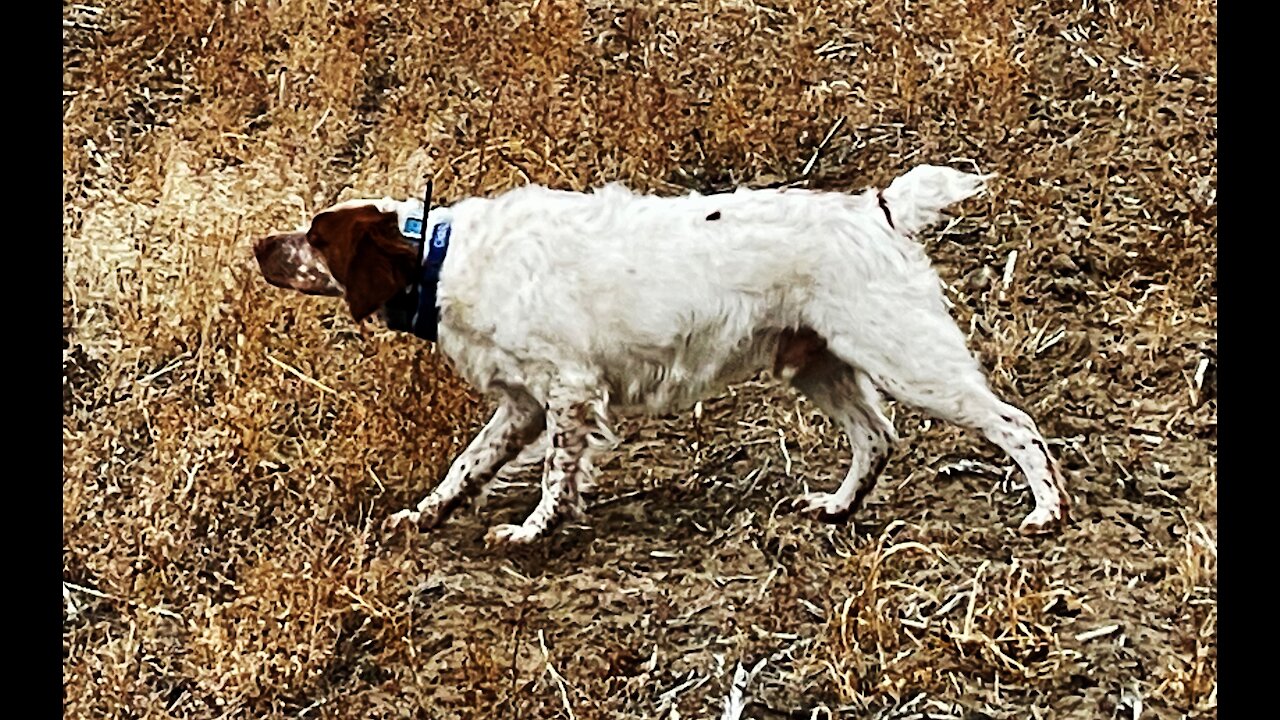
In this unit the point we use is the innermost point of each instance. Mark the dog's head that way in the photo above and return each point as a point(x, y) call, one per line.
point(353, 250)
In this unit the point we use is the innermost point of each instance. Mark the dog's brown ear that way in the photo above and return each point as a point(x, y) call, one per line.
point(364, 251)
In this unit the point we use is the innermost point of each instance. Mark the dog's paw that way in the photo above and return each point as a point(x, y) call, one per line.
point(424, 517)
point(407, 518)
point(824, 506)
point(510, 534)
point(1041, 521)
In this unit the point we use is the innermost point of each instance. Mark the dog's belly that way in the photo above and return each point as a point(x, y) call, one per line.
point(673, 378)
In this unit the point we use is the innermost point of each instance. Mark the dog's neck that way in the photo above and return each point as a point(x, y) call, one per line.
point(416, 308)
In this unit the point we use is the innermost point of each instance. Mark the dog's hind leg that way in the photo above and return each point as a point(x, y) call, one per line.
point(515, 424)
point(847, 396)
point(969, 402)
point(920, 358)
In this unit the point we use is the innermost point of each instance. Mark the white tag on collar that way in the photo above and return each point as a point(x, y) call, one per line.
point(412, 228)
point(412, 223)
point(409, 215)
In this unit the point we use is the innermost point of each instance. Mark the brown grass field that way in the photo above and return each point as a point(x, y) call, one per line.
point(230, 450)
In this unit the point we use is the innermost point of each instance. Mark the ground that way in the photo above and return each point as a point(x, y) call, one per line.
point(231, 450)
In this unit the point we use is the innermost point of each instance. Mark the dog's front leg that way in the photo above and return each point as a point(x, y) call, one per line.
point(570, 426)
point(516, 423)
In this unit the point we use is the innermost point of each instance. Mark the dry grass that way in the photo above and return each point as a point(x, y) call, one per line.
point(230, 449)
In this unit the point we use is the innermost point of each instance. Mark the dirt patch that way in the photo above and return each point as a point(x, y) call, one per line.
point(221, 551)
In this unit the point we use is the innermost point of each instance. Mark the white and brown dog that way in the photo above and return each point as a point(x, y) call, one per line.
point(569, 307)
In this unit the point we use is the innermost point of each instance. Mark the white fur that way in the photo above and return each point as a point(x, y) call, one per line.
point(607, 302)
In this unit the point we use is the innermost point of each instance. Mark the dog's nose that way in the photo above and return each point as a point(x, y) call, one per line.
point(264, 247)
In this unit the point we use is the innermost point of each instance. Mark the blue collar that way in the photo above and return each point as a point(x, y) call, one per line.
point(416, 308)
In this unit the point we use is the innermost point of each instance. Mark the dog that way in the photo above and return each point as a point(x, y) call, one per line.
point(570, 308)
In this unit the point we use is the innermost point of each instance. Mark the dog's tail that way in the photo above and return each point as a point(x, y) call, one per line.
point(915, 199)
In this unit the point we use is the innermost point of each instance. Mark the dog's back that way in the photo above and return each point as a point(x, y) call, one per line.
point(676, 296)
